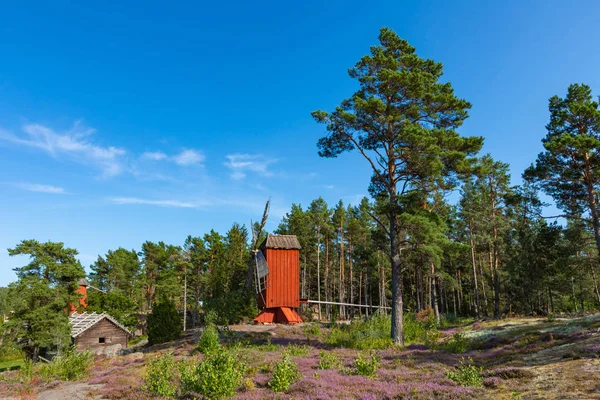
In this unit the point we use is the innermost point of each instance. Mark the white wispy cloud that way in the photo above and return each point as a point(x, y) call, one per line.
point(162, 203)
point(186, 157)
point(240, 164)
point(154, 155)
point(189, 157)
point(75, 144)
point(35, 187)
point(328, 186)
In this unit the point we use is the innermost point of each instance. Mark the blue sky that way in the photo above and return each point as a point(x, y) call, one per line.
point(153, 121)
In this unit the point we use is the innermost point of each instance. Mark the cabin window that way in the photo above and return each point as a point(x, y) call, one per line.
point(101, 340)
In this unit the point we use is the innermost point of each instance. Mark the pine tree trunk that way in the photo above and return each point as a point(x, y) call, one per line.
point(351, 280)
point(342, 272)
point(397, 301)
point(434, 299)
point(327, 307)
point(481, 276)
point(477, 307)
point(574, 296)
point(595, 285)
point(319, 275)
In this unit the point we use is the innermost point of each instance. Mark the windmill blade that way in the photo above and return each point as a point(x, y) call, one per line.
point(254, 239)
point(263, 222)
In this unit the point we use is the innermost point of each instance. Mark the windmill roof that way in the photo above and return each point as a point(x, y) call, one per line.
point(284, 242)
point(81, 322)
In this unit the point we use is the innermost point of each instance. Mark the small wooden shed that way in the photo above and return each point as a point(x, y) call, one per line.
point(281, 296)
point(91, 331)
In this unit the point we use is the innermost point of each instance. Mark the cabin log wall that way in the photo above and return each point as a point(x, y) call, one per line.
point(106, 329)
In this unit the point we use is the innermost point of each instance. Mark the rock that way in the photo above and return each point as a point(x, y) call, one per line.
point(108, 351)
point(135, 356)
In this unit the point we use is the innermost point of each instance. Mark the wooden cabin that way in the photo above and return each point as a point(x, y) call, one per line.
point(93, 331)
point(280, 298)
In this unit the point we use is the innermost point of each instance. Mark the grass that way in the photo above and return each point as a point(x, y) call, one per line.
point(10, 365)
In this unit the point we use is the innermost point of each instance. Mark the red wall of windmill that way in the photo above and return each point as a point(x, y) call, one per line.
point(283, 281)
point(82, 301)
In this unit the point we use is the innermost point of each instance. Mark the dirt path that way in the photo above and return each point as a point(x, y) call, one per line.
point(70, 391)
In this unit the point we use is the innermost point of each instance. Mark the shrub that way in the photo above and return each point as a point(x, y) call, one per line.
point(550, 317)
point(295, 350)
point(426, 317)
point(414, 330)
point(159, 376)
point(69, 366)
point(328, 360)
point(366, 366)
point(164, 323)
point(214, 378)
point(431, 338)
point(312, 329)
point(373, 333)
point(26, 371)
point(285, 374)
point(209, 340)
point(467, 375)
point(458, 343)
point(232, 307)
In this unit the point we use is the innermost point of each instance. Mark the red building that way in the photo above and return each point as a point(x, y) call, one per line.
point(280, 298)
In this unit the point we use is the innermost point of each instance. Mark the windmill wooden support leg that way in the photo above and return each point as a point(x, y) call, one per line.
point(279, 315)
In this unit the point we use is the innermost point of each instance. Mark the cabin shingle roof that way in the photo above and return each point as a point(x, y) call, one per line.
point(283, 242)
point(81, 322)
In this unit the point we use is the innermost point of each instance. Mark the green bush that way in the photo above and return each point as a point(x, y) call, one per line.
point(312, 329)
point(373, 333)
point(164, 323)
point(296, 350)
point(216, 377)
point(328, 360)
point(26, 371)
point(467, 375)
point(209, 340)
point(431, 339)
point(232, 307)
point(366, 365)
point(458, 343)
point(69, 366)
point(159, 377)
point(285, 374)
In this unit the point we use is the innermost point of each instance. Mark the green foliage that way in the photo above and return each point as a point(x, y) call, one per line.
point(367, 365)
point(373, 333)
point(550, 317)
point(209, 340)
point(164, 323)
point(414, 331)
point(328, 360)
point(431, 339)
point(458, 343)
point(403, 121)
point(296, 350)
point(118, 305)
point(216, 377)
point(468, 374)
point(117, 273)
point(69, 366)
point(232, 307)
point(285, 374)
point(312, 329)
point(160, 375)
point(44, 289)
point(27, 371)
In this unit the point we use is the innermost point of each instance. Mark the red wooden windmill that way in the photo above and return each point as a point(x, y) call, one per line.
point(277, 275)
